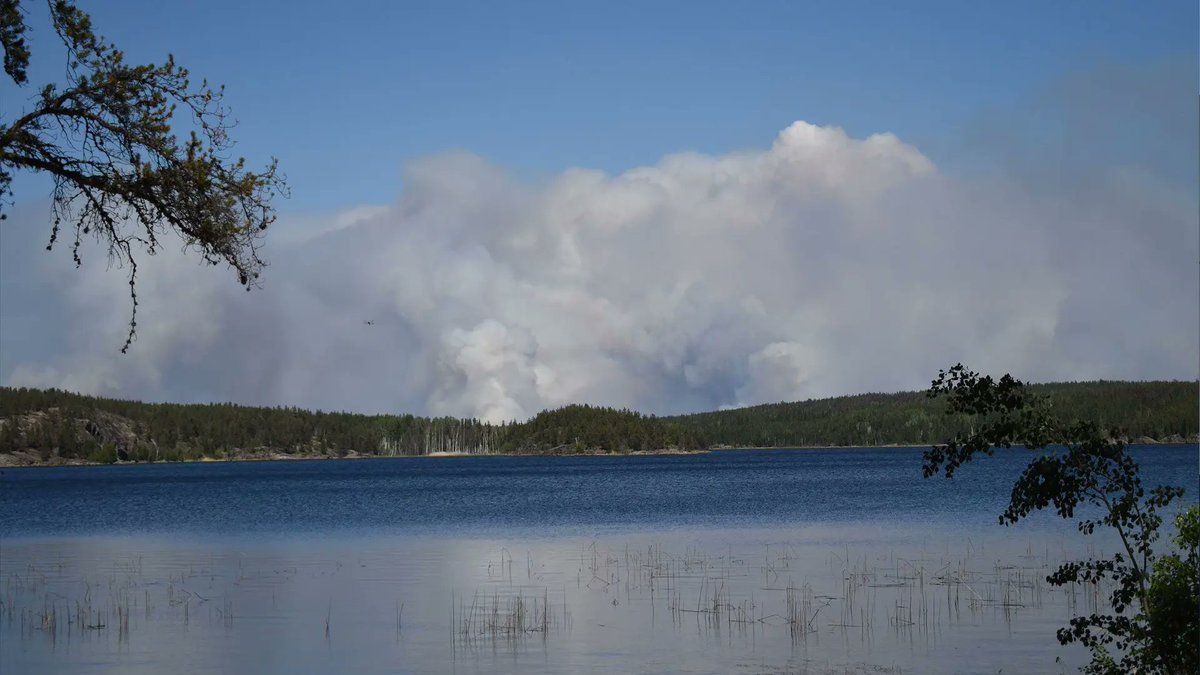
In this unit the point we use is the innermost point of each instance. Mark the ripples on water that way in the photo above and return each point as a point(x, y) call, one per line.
point(756, 562)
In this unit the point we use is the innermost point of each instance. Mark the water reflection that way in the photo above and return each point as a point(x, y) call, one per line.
point(822, 561)
point(698, 601)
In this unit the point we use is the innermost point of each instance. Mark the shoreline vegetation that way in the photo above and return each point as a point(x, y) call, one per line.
point(55, 428)
point(23, 460)
point(28, 460)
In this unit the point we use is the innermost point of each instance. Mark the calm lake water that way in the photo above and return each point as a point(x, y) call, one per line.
point(774, 561)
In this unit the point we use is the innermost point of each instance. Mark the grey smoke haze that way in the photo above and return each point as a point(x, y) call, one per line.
point(822, 265)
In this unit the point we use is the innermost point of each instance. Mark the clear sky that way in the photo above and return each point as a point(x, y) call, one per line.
point(346, 93)
point(671, 206)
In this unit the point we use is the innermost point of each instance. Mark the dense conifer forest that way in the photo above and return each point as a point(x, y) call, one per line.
point(41, 426)
point(52, 425)
point(1156, 410)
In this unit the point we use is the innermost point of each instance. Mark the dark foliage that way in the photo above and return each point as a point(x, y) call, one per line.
point(583, 428)
point(126, 168)
point(1083, 472)
point(1159, 410)
point(58, 423)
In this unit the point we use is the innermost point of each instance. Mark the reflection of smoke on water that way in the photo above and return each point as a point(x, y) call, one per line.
point(724, 603)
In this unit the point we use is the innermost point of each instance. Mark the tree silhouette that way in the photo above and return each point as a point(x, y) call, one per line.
point(1084, 472)
point(122, 174)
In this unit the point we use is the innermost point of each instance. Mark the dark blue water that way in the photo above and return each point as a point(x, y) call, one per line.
point(568, 495)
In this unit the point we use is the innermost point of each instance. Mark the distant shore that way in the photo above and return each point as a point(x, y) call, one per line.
point(29, 460)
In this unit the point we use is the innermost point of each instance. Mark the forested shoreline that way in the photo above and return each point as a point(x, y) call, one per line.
point(53, 426)
point(1164, 411)
point(56, 427)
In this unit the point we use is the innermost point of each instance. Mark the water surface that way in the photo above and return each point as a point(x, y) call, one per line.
point(840, 560)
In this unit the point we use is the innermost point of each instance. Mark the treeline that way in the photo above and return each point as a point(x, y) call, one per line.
point(1165, 411)
point(101, 429)
point(59, 424)
point(584, 428)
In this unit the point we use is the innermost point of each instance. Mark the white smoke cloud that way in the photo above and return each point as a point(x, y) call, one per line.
point(824, 265)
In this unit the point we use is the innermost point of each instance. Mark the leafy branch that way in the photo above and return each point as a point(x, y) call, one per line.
point(1081, 465)
point(121, 173)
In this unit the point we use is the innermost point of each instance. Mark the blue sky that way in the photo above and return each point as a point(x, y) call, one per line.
point(345, 94)
point(785, 200)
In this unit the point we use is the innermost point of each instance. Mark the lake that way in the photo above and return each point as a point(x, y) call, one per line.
point(744, 561)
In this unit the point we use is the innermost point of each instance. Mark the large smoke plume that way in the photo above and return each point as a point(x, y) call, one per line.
point(823, 265)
